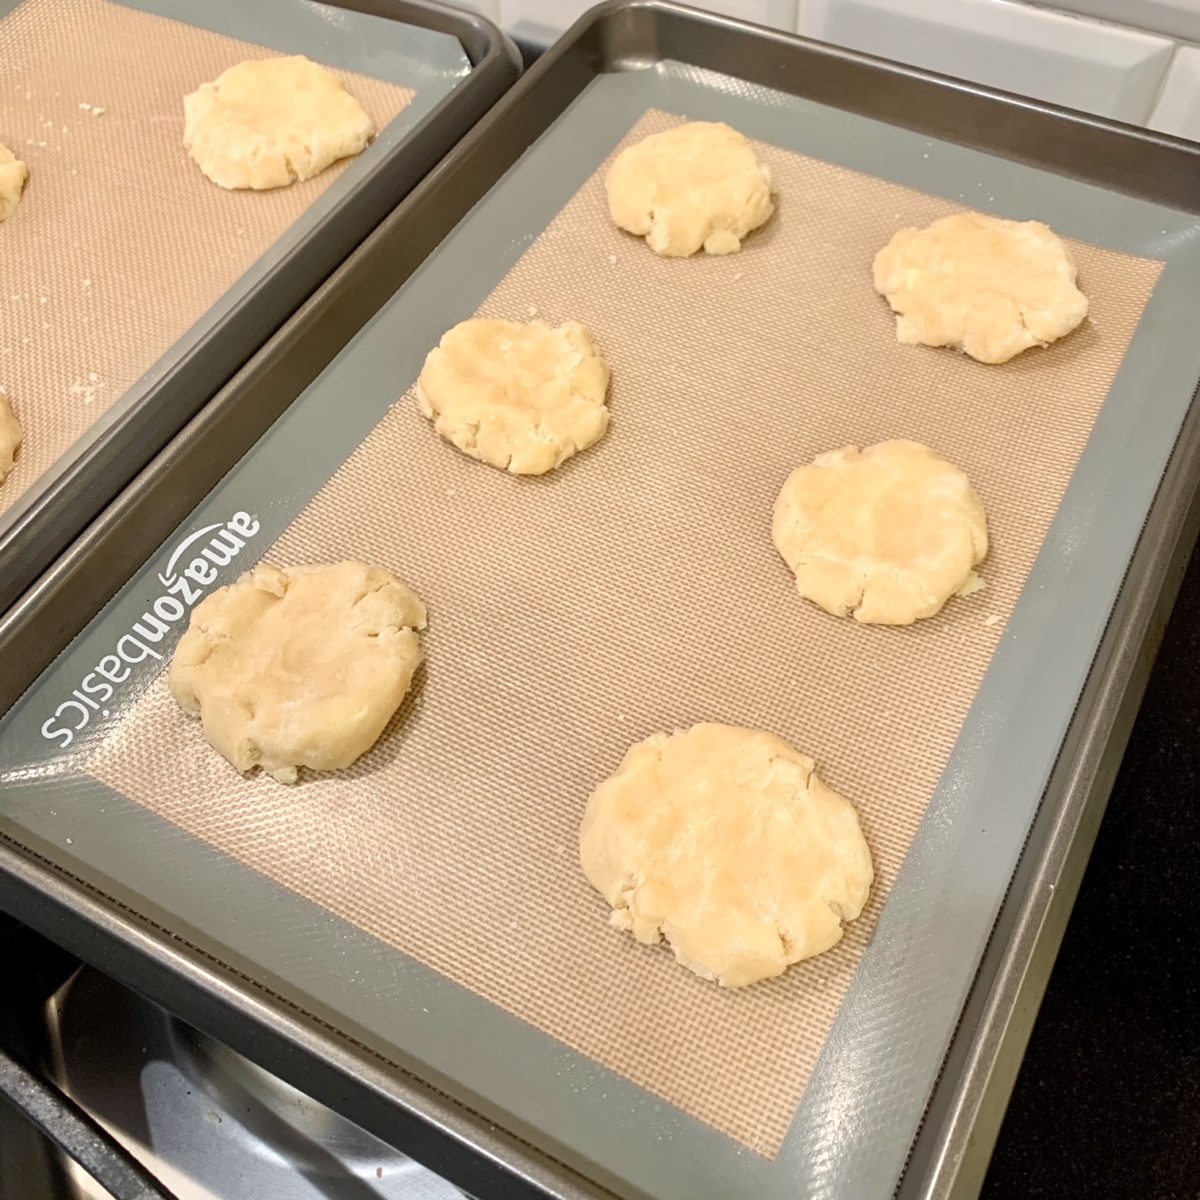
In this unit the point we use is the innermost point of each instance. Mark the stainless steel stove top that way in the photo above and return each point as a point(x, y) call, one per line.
point(206, 1122)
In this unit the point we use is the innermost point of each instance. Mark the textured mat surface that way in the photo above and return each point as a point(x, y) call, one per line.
point(638, 589)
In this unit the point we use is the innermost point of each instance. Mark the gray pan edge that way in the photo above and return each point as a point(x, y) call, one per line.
point(338, 37)
point(429, 62)
point(857, 1119)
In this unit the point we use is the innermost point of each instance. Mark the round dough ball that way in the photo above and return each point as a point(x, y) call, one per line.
point(726, 842)
point(13, 174)
point(300, 667)
point(887, 534)
point(522, 397)
point(988, 286)
point(697, 185)
point(10, 437)
point(271, 122)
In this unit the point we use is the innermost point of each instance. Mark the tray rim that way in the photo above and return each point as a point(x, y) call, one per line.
point(1119, 671)
point(30, 541)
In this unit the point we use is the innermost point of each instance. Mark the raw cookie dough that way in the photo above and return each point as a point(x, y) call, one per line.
point(887, 534)
point(300, 667)
point(988, 286)
point(522, 397)
point(697, 185)
point(726, 842)
point(10, 437)
point(13, 174)
point(268, 123)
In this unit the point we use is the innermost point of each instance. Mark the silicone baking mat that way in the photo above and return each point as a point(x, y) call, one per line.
point(428, 902)
point(119, 245)
point(638, 589)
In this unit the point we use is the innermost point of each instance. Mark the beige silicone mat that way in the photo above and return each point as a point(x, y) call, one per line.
point(637, 589)
point(119, 244)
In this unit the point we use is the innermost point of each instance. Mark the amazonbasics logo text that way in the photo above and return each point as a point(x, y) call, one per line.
point(210, 548)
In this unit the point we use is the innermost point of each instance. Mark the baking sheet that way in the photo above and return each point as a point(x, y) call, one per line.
point(533, 689)
point(365, 381)
point(121, 255)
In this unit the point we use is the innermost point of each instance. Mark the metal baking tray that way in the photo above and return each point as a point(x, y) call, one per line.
point(451, 64)
point(912, 1080)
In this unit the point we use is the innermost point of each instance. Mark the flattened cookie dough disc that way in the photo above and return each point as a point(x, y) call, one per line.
point(10, 437)
point(696, 186)
point(886, 535)
point(725, 842)
point(300, 667)
point(13, 174)
point(268, 123)
point(522, 397)
point(988, 286)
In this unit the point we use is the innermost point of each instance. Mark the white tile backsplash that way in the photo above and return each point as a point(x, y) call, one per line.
point(1098, 68)
point(1178, 107)
point(1179, 18)
point(540, 20)
point(780, 14)
point(1108, 57)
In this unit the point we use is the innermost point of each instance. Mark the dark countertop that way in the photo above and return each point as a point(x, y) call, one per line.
point(1107, 1103)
